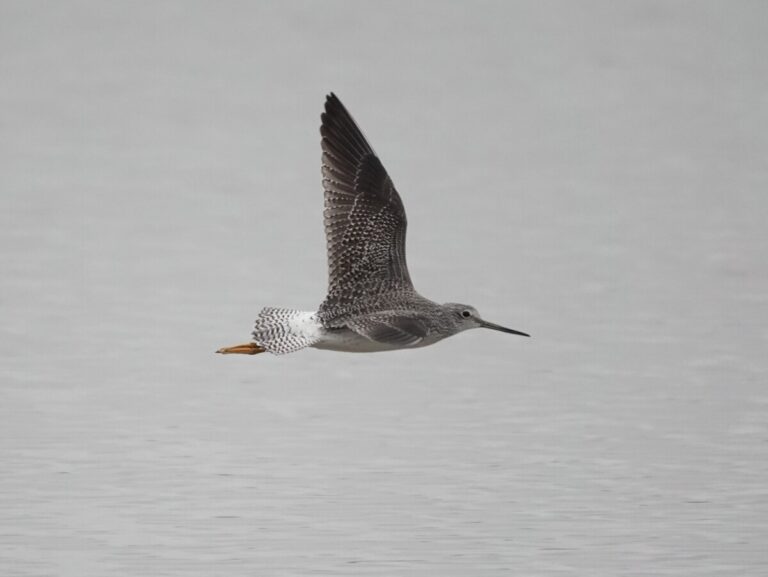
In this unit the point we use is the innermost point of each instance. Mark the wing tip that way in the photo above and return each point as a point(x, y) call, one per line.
point(332, 102)
point(337, 125)
point(335, 110)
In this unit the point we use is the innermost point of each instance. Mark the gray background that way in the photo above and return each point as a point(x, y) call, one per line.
point(592, 172)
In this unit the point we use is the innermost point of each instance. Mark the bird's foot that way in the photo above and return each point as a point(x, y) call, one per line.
point(244, 349)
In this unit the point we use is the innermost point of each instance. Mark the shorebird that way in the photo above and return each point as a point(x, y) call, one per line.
point(371, 303)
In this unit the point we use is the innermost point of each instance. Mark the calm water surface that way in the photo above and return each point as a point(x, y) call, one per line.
point(594, 175)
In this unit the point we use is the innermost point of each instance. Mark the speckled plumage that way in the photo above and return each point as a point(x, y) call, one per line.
point(371, 304)
point(281, 331)
point(365, 220)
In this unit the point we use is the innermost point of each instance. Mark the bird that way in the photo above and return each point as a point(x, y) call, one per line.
point(371, 304)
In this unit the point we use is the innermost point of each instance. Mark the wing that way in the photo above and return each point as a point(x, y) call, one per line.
point(390, 329)
point(364, 217)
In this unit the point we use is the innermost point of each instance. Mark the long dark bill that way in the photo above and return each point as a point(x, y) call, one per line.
point(487, 325)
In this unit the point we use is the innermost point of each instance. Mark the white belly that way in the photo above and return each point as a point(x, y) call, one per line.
point(350, 342)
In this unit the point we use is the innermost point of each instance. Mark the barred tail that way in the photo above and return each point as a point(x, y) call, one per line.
point(281, 331)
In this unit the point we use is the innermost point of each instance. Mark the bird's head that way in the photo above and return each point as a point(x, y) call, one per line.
point(467, 317)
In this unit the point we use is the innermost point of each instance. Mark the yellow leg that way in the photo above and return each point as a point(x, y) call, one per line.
point(244, 349)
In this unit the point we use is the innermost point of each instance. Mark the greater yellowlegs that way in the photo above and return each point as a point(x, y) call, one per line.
point(371, 304)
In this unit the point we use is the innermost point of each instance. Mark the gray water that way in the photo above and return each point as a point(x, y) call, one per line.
point(593, 173)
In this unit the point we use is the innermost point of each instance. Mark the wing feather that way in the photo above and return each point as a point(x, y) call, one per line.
point(365, 222)
point(398, 331)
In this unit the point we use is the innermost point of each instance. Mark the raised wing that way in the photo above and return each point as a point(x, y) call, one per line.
point(364, 217)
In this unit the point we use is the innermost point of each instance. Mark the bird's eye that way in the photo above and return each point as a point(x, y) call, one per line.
point(466, 314)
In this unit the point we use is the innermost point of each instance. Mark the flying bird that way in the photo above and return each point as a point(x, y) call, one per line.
point(371, 304)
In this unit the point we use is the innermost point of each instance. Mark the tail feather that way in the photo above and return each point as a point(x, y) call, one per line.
point(282, 331)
